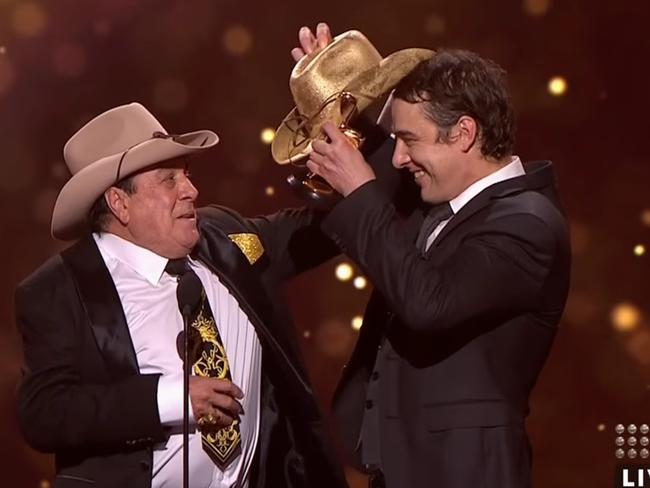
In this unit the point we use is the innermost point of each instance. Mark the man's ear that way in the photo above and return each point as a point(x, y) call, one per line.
point(118, 203)
point(466, 130)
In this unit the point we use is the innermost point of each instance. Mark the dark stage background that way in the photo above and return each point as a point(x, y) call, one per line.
point(224, 65)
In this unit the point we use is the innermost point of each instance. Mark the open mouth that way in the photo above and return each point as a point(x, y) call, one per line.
point(191, 214)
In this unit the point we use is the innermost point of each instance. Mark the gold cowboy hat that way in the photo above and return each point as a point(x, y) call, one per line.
point(349, 64)
point(111, 146)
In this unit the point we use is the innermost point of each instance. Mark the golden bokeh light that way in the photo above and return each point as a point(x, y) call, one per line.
point(333, 338)
point(639, 250)
point(645, 217)
point(357, 322)
point(360, 282)
point(625, 317)
point(557, 86)
point(269, 191)
point(601, 427)
point(237, 40)
point(435, 25)
point(536, 8)
point(267, 135)
point(29, 19)
point(344, 272)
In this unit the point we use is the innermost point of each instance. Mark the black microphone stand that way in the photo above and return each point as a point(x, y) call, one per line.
point(188, 294)
point(186, 396)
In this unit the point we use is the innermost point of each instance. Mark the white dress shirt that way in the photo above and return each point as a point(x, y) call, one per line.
point(148, 297)
point(511, 170)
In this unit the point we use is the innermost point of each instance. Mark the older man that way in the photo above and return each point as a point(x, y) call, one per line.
point(100, 323)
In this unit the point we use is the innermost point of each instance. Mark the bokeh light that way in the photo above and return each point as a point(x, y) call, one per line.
point(344, 272)
point(645, 217)
point(360, 282)
point(536, 8)
point(357, 322)
point(237, 40)
point(557, 86)
point(269, 191)
point(333, 338)
point(639, 250)
point(267, 135)
point(625, 317)
point(29, 19)
point(435, 25)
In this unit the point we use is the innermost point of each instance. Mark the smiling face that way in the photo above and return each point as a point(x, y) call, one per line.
point(160, 214)
point(441, 169)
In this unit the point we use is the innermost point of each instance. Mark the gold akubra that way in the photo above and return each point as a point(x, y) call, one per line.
point(334, 84)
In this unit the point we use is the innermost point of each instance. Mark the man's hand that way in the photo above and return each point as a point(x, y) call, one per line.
point(309, 43)
point(219, 398)
point(338, 162)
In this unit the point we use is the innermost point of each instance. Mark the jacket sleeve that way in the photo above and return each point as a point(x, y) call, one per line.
point(56, 408)
point(498, 269)
point(294, 240)
point(294, 236)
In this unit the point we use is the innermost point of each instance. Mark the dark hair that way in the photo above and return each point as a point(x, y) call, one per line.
point(100, 213)
point(454, 83)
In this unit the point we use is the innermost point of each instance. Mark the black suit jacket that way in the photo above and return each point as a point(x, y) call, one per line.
point(462, 332)
point(83, 398)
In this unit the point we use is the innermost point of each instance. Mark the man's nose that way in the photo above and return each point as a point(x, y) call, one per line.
point(400, 155)
point(189, 191)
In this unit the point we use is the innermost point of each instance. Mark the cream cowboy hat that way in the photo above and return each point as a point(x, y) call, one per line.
point(111, 146)
point(349, 64)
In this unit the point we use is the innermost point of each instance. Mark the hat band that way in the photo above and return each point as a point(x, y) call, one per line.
point(156, 135)
point(348, 109)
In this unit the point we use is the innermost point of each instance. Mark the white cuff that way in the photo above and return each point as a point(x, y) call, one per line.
point(170, 401)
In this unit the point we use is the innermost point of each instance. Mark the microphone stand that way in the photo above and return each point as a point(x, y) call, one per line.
point(188, 294)
point(186, 396)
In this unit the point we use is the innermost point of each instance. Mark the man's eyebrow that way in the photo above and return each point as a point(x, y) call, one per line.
point(404, 134)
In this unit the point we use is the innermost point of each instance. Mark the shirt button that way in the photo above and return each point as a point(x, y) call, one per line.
point(369, 404)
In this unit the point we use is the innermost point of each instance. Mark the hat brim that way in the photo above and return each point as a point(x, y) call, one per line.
point(76, 198)
point(367, 87)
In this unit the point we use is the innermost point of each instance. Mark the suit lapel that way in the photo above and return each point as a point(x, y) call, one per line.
point(103, 307)
point(222, 256)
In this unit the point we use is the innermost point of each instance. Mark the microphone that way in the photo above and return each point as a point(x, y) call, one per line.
point(188, 292)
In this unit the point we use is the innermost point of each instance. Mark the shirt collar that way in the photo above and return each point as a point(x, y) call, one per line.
point(146, 263)
point(511, 170)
